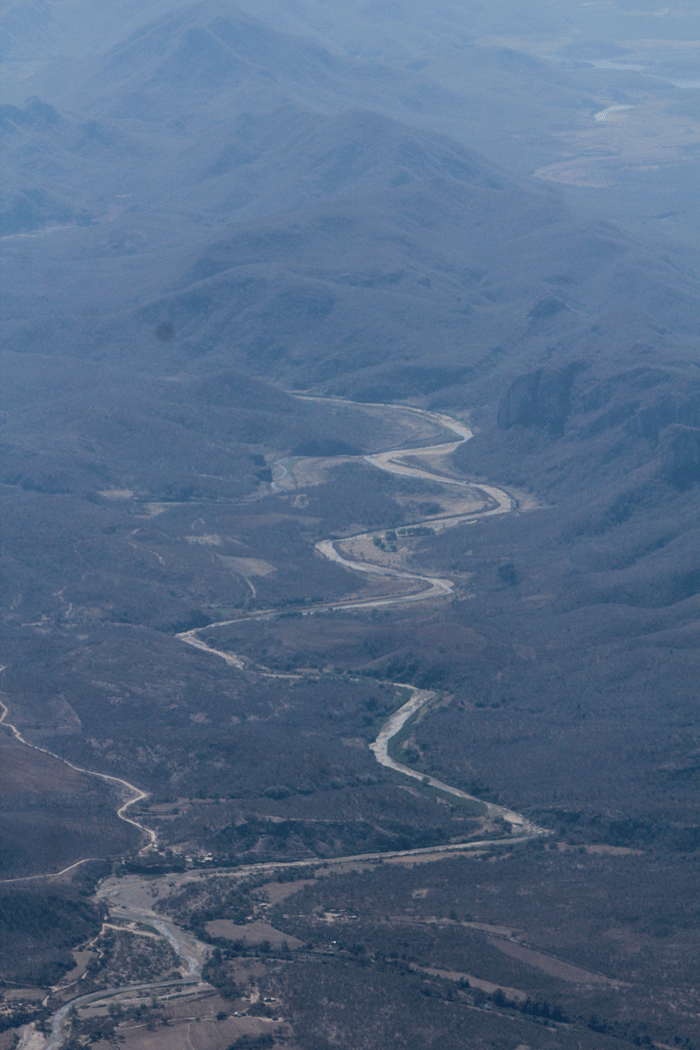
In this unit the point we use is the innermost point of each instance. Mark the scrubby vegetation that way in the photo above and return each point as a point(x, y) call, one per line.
point(38, 927)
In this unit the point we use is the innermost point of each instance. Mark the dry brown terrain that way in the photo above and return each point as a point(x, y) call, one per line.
point(599, 153)
point(251, 933)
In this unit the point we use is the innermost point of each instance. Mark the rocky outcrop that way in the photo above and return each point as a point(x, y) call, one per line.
point(680, 455)
point(539, 399)
point(665, 412)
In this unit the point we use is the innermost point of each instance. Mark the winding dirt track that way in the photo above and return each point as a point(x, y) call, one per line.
point(135, 795)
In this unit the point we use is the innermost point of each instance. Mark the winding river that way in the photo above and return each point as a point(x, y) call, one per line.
point(121, 895)
point(402, 462)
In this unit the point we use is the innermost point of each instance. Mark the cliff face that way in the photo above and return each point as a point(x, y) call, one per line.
point(540, 399)
point(543, 400)
point(672, 424)
point(673, 408)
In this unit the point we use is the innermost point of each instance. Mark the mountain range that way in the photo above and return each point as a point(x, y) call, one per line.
point(247, 248)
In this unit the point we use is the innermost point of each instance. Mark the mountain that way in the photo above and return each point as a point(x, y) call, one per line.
point(446, 257)
point(33, 31)
point(244, 251)
point(449, 262)
point(211, 53)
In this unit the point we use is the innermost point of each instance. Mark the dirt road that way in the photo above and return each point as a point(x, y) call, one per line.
point(131, 897)
point(135, 794)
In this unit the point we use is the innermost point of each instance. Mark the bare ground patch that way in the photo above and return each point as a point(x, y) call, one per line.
point(251, 933)
point(548, 964)
point(193, 1033)
point(475, 982)
point(247, 566)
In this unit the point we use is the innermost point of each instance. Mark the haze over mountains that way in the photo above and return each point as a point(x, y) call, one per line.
point(233, 237)
point(206, 118)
